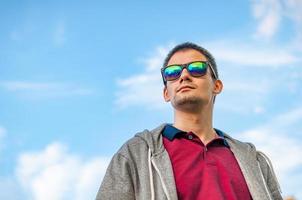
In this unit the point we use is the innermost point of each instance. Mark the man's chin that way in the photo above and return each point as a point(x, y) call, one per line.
point(187, 100)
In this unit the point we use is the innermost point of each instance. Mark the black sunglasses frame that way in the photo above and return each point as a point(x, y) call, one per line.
point(185, 66)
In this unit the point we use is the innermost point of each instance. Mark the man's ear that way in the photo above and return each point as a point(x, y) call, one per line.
point(166, 94)
point(218, 86)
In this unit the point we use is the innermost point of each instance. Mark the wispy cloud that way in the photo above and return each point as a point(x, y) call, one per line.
point(242, 95)
point(22, 32)
point(268, 14)
point(2, 131)
point(294, 12)
point(55, 174)
point(278, 139)
point(245, 53)
point(144, 89)
point(59, 35)
point(41, 90)
point(2, 135)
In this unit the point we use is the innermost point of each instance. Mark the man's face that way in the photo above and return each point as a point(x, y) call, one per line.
point(188, 92)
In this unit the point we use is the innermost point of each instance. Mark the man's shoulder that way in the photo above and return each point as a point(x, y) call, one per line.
point(238, 143)
point(133, 143)
point(248, 148)
point(142, 141)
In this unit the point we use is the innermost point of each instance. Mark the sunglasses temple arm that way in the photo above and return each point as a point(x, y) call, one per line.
point(215, 75)
point(162, 75)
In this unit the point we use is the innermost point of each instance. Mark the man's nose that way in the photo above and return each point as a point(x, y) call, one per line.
point(185, 76)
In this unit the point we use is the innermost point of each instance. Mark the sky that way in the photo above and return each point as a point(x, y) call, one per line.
point(80, 78)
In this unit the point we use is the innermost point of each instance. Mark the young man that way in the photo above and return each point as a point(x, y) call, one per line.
point(189, 159)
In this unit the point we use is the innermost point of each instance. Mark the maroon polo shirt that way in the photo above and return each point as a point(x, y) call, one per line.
point(208, 172)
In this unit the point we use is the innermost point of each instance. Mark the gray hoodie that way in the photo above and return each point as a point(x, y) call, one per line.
point(142, 170)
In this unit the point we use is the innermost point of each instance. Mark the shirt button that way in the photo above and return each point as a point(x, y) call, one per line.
point(190, 137)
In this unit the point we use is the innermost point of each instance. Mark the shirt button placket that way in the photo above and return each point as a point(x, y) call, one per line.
point(205, 149)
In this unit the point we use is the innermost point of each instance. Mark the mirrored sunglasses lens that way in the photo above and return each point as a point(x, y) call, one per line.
point(197, 68)
point(172, 72)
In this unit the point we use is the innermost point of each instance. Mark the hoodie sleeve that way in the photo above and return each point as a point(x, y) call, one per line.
point(269, 176)
point(117, 183)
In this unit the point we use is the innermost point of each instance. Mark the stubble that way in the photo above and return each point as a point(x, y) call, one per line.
point(187, 103)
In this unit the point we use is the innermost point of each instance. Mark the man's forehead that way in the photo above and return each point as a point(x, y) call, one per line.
point(185, 56)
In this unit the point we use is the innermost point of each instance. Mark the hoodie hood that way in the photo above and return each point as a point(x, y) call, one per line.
point(153, 139)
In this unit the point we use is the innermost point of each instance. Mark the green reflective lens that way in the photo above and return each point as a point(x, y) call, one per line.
point(172, 72)
point(197, 69)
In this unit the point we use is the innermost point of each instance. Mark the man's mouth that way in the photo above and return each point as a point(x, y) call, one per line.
point(185, 87)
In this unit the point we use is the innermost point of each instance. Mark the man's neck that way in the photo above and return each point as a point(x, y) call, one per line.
point(199, 123)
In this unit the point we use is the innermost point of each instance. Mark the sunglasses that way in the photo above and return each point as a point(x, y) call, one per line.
point(195, 69)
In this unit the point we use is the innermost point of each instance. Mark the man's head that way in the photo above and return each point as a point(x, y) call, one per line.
point(190, 86)
point(189, 45)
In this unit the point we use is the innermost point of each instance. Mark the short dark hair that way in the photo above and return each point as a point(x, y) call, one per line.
point(190, 45)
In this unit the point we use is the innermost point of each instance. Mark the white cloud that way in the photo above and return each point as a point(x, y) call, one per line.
point(246, 87)
point(251, 54)
point(244, 94)
point(144, 88)
point(140, 90)
point(155, 62)
point(38, 90)
point(55, 174)
point(90, 178)
point(268, 14)
point(277, 139)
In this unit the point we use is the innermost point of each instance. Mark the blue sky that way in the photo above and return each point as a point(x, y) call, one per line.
point(77, 79)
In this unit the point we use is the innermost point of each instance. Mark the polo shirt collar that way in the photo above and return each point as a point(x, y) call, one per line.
point(171, 132)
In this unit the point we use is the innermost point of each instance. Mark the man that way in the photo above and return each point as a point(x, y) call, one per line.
point(189, 159)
